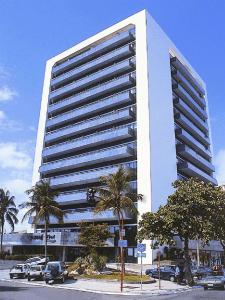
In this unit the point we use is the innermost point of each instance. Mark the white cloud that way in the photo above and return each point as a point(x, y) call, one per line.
point(14, 157)
point(7, 124)
point(220, 166)
point(17, 186)
point(6, 93)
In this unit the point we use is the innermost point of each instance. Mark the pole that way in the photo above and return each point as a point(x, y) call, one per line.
point(159, 269)
point(198, 256)
point(141, 270)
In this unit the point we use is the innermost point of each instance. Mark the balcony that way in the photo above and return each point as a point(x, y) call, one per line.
point(192, 156)
point(190, 170)
point(180, 92)
point(188, 139)
point(189, 88)
point(86, 126)
point(190, 127)
point(87, 160)
point(93, 79)
point(74, 197)
point(102, 90)
point(116, 41)
point(92, 109)
point(95, 64)
point(88, 215)
point(81, 178)
point(194, 82)
point(86, 143)
point(186, 110)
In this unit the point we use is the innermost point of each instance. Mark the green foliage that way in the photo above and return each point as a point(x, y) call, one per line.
point(89, 264)
point(8, 212)
point(42, 204)
point(93, 236)
point(188, 214)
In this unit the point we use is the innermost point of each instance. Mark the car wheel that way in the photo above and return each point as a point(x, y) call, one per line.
point(11, 276)
point(28, 278)
point(205, 288)
point(172, 278)
point(63, 279)
point(150, 274)
point(46, 281)
point(224, 286)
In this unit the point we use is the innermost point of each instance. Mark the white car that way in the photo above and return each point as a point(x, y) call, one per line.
point(36, 272)
point(35, 261)
point(19, 271)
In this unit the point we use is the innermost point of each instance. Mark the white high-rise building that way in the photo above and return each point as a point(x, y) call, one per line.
point(123, 96)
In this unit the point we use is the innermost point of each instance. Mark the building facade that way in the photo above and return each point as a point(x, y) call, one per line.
point(125, 96)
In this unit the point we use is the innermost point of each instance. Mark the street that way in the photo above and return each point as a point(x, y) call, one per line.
point(15, 291)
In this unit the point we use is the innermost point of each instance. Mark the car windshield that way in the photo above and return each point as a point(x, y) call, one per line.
point(52, 266)
point(35, 268)
point(19, 268)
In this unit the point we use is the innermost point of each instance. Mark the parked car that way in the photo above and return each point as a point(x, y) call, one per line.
point(212, 282)
point(36, 272)
point(55, 271)
point(201, 272)
point(37, 260)
point(166, 273)
point(18, 271)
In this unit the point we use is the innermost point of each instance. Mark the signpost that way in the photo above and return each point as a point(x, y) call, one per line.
point(141, 248)
point(122, 243)
point(159, 254)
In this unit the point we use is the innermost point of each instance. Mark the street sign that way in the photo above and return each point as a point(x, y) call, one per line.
point(122, 243)
point(123, 232)
point(141, 254)
point(141, 247)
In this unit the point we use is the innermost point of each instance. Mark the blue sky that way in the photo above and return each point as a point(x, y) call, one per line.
point(31, 31)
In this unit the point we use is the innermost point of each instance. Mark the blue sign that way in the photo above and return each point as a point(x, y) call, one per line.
point(122, 243)
point(141, 247)
point(141, 254)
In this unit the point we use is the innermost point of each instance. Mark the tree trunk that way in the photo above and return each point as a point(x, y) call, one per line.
point(2, 232)
point(46, 238)
point(121, 252)
point(187, 264)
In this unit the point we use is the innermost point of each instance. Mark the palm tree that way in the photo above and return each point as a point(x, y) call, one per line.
point(116, 196)
point(42, 206)
point(8, 212)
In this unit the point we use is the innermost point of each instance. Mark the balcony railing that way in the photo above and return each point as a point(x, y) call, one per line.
point(87, 160)
point(85, 177)
point(180, 92)
point(178, 65)
point(192, 156)
point(190, 170)
point(102, 90)
point(83, 127)
point(95, 78)
point(188, 139)
point(88, 142)
point(74, 197)
point(189, 88)
point(116, 41)
point(95, 64)
point(93, 108)
point(186, 110)
point(189, 126)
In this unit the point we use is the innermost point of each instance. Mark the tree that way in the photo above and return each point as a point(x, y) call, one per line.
point(93, 236)
point(186, 215)
point(8, 212)
point(116, 196)
point(42, 206)
point(217, 217)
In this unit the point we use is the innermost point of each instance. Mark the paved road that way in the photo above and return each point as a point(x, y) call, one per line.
point(15, 291)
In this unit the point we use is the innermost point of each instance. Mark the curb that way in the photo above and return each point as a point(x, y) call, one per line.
point(147, 293)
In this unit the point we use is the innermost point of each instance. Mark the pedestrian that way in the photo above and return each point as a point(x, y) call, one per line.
point(177, 274)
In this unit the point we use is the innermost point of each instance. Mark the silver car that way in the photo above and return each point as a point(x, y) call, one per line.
point(18, 271)
point(212, 282)
point(36, 272)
